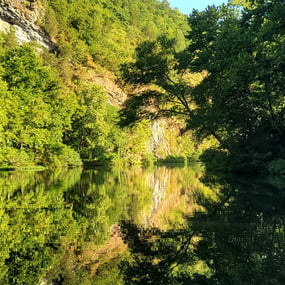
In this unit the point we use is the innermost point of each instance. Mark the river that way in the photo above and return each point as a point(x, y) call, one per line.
point(162, 225)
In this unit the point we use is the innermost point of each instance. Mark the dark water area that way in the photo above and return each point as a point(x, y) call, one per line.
point(161, 225)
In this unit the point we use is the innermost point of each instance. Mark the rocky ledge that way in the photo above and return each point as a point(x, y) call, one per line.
point(25, 29)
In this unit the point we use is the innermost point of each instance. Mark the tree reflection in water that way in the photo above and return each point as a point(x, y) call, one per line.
point(64, 227)
point(239, 239)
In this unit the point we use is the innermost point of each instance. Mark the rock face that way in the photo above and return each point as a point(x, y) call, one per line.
point(158, 144)
point(25, 28)
point(116, 95)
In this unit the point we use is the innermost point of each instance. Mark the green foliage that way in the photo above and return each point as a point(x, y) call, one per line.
point(155, 64)
point(35, 108)
point(166, 92)
point(62, 156)
point(136, 148)
point(239, 49)
point(216, 160)
point(240, 101)
point(94, 131)
point(42, 120)
point(277, 166)
point(118, 27)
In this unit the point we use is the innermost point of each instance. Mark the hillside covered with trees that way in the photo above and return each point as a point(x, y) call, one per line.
point(217, 76)
point(53, 112)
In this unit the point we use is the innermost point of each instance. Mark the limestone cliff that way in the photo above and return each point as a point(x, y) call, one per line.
point(16, 15)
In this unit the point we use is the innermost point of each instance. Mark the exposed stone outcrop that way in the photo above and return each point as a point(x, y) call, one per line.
point(106, 80)
point(158, 144)
point(25, 28)
point(116, 95)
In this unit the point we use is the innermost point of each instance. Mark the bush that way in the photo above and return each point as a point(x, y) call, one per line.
point(215, 160)
point(16, 158)
point(276, 166)
point(64, 156)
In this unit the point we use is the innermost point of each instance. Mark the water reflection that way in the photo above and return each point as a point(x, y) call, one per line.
point(35, 224)
point(155, 226)
point(238, 239)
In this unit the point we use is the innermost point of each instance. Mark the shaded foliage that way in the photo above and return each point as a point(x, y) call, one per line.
point(240, 101)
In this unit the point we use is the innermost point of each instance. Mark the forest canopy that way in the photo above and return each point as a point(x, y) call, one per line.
point(217, 74)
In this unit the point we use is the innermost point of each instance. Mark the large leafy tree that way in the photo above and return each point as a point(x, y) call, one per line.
point(240, 100)
point(243, 54)
point(164, 82)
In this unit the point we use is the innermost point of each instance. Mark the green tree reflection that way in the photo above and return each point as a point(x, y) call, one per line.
point(35, 224)
point(239, 239)
point(64, 227)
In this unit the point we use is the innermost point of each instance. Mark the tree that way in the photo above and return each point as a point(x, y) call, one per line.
point(240, 99)
point(168, 91)
point(241, 96)
point(94, 125)
point(36, 107)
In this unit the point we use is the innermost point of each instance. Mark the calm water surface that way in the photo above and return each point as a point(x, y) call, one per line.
point(156, 226)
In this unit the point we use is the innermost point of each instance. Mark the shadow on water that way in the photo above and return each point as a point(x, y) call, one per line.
point(239, 238)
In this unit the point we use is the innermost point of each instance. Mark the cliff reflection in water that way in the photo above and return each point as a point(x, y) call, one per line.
point(156, 226)
point(239, 238)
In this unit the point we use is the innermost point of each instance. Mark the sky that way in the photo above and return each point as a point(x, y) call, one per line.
point(186, 6)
